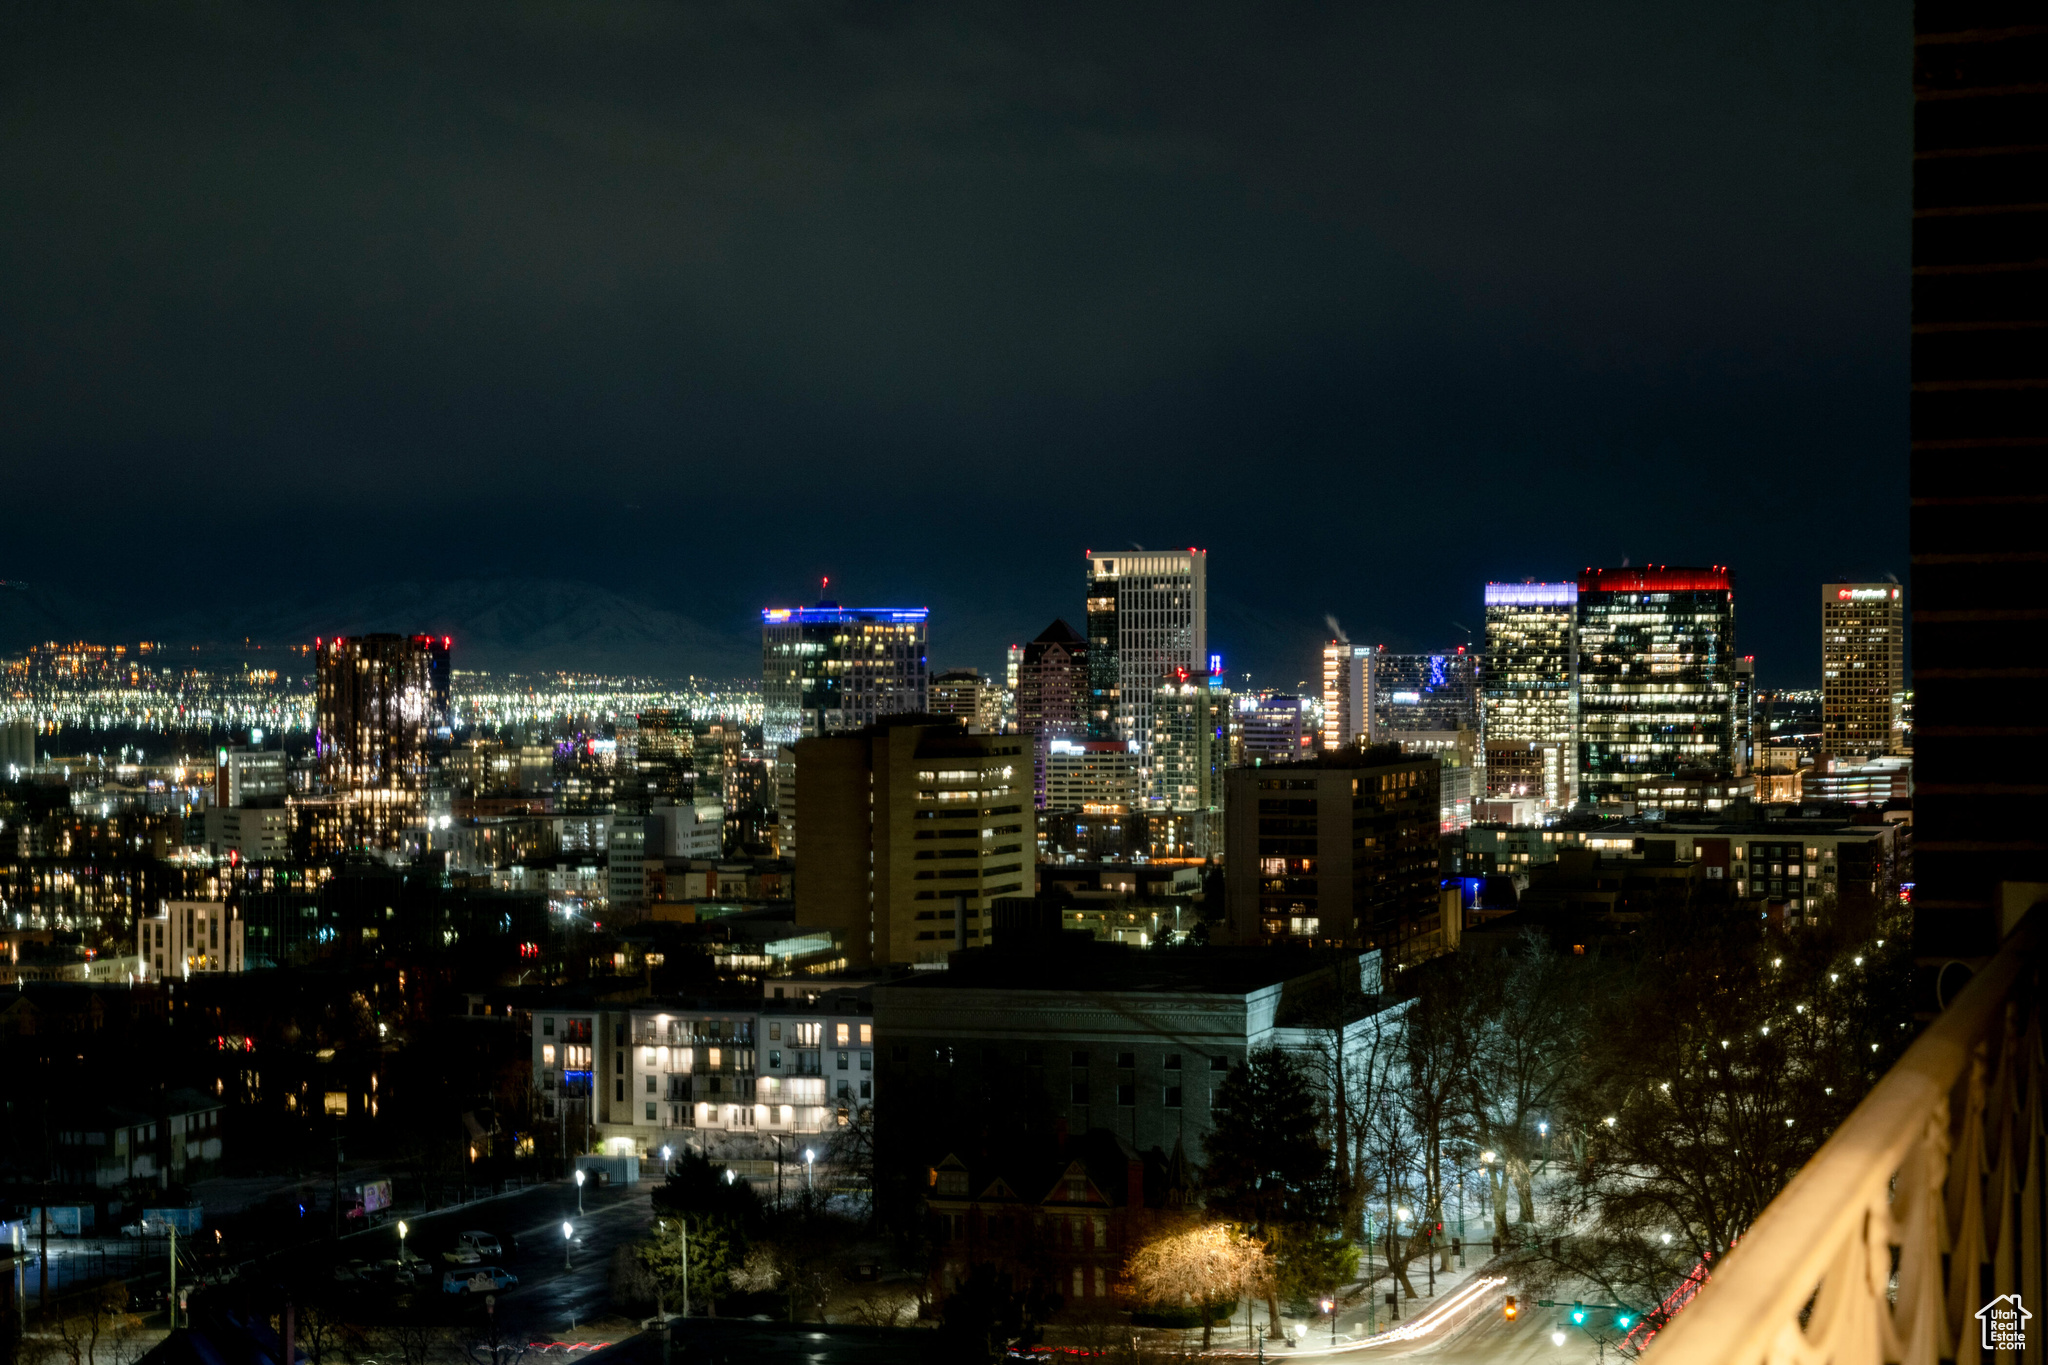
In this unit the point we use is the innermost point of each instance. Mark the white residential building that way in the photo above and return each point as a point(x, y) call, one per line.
point(189, 937)
point(688, 1075)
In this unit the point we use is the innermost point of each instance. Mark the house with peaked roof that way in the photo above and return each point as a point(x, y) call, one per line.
point(1068, 1221)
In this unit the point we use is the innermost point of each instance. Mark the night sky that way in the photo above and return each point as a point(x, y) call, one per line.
point(698, 303)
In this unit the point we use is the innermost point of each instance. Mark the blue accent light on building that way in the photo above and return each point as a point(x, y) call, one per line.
point(830, 615)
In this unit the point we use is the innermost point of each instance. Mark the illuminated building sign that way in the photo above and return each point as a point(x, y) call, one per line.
point(1531, 594)
point(1865, 594)
point(777, 616)
point(1408, 698)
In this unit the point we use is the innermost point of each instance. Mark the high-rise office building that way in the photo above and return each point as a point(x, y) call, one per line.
point(1148, 616)
point(1529, 685)
point(960, 694)
point(828, 668)
point(1656, 677)
point(1190, 743)
point(1422, 692)
point(1862, 668)
point(1012, 662)
point(1347, 693)
point(375, 703)
point(440, 684)
point(1094, 776)
point(1275, 729)
point(246, 777)
point(1744, 712)
point(1979, 468)
point(902, 820)
point(1341, 848)
point(1052, 696)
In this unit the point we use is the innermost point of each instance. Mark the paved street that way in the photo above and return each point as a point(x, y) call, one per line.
point(549, 1300)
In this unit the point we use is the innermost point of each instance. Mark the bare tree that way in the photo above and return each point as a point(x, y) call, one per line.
point(410, 1341)
point(1352, 1043)
point(93, 1327)
point(324, 1331)
point(1527, 1013)
point(1711, 1078)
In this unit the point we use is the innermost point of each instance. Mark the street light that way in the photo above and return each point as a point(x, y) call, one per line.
point(809, 1157)
point(1330, 1307)
point(402, 1230)
point(579, 1193)
point(1557, 1337)
point(730, 1175)
point(666, 1153)
point(568, 1237)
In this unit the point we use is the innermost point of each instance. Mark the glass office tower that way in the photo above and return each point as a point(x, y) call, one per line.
point(1656, 677)
point(1529, 686)
point(828, 668)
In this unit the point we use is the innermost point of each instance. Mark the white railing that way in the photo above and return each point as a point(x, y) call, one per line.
point(1925, 1206)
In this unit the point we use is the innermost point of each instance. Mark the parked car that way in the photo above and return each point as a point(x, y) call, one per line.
point(460, 1254)
point(482, 1280)
point(482, 1243)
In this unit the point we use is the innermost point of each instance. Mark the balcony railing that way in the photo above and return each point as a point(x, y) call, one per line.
point(1921, 1211)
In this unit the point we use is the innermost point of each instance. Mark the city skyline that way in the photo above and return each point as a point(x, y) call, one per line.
point(969, 683)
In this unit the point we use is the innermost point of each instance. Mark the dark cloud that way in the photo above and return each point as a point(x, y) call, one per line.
point(1375, 302)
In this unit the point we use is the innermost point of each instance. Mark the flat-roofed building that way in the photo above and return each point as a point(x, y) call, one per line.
point(902, 818)
point(1529, 686)
point(1341, 849)
point(1862, 669)
point(186, 938)
point(1656, 677)
point(828, 668)
point(1148, 615)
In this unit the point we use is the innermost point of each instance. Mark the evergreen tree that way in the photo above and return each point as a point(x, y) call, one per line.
point(1268, 1168)
point(1267, 1165)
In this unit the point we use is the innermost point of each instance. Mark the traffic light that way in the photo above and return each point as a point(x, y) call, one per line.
point(1578, 1315)
point(1624, 1320)
point(1510, 1311)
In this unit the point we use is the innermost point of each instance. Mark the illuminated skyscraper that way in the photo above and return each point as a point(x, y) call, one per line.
point(1347, 693)
point(1656, 677)
point(1148, 616)
point(1422, 692)
point(1745, 714)
point(1530, 685)
point(829, 668)
point(376, 703)
point(1190, 743)
point(1052, 696)
point(1862, 668)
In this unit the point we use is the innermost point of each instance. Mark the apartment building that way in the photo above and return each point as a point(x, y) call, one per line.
point(725, 1077)
point(187, 937)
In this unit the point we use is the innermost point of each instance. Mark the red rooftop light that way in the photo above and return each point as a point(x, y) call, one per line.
point(1661, 578)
